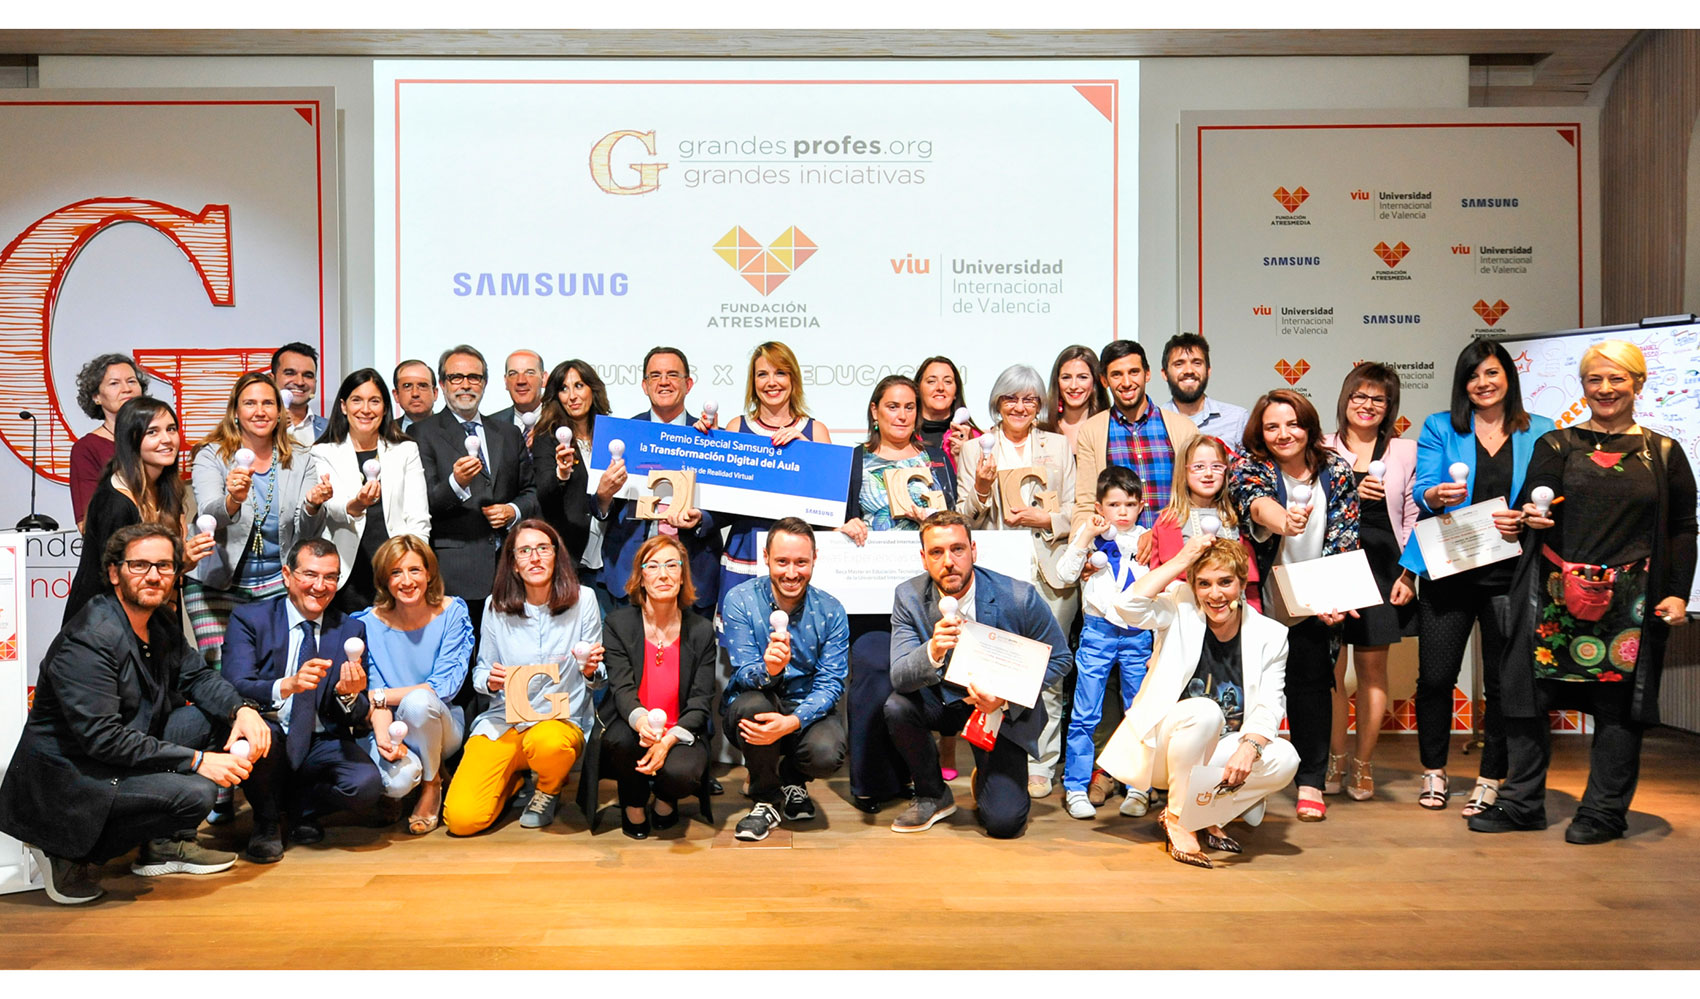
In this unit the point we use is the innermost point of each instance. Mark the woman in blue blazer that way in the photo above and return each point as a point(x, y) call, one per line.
point(1489, 432)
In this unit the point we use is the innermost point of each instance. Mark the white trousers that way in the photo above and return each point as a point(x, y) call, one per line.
point(1191, 736)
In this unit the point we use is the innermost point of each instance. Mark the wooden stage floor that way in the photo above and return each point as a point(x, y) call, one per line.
point(1379, 884)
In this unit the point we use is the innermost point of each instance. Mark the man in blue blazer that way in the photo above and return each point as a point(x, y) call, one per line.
point(666, 382)
point(923, 703)
point(282, 654)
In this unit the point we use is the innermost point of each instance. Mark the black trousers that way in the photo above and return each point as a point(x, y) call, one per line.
point(877, 770)
point(336, 775)
point(1311, 650)
point(680, 774)
point(156, 806)
point(1614, 759)
point(1000, 792)
point(813, 752)
point(1446, 611)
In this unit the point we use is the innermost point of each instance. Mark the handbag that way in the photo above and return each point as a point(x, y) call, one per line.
point(1587, 588)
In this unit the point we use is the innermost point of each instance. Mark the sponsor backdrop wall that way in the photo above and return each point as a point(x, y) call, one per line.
point(867, 214)
point(195, 229)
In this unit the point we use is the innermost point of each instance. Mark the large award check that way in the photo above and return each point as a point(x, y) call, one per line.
point(999, 663)
point(734, 473)
point(1463, 539)
point(865, 578)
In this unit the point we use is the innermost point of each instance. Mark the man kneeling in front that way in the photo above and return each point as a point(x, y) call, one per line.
point(923, 702)
point(112, 756)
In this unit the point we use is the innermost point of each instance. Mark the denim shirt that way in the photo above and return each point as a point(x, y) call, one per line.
point(813, 680)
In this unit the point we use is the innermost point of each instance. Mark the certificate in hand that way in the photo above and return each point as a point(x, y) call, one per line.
point(1463, 539)
point(1335, 583)
point(1211, 804)
point(999, 663)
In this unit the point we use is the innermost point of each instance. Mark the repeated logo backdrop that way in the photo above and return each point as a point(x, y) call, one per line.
point(1314, 240)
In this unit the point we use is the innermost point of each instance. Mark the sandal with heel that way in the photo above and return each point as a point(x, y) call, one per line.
point(1331, 781)
point(1433, 796)
point(1362, 786)
point(1482, 797)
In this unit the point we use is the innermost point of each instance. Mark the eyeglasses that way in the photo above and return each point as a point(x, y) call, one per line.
point(671, 566)
point(1029, 401)
point(142, 567)
point(459, 378)
point(315, 578)
point(664, 376)
point(534, 551)
point(1365, 399)
point(1207, 466)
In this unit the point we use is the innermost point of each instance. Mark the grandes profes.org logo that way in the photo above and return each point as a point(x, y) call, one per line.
point(765, 266)
point(1290, 202)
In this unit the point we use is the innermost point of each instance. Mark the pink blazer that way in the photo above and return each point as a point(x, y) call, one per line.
point(1401, 458)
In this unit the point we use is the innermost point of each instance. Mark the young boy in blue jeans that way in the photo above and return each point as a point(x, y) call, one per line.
point(1106, 641)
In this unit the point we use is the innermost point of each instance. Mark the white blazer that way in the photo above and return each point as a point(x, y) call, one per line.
point(402, 478)
point(1178, 628)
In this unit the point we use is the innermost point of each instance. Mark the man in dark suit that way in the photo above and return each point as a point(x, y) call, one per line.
point(666, 382)
point(524, 381)
point(282, 654)
point(295, 367)
point(112, 755)
point(415, 386)
point(474, 495)
point(923, 703)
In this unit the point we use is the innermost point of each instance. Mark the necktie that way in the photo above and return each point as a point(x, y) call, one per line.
point(301, 712)
point(471, 429)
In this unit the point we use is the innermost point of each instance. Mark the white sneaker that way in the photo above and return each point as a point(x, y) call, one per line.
point(1078, 806)
point(1136, 803)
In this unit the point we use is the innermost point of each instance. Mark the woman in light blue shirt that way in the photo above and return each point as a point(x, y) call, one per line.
point(536, 613)
point(418, 645)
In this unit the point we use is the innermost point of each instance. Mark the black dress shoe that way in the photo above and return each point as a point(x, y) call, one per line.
point(1586, 832)
point(715, 787)
point(667, 821)
point(636, 830)
point(265, 846)
point(306, 832)
point(1495, 819)
point(863, 803)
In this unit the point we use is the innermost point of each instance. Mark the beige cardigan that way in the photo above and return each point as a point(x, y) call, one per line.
point(1090, 447)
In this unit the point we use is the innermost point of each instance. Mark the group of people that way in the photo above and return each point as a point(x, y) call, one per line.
point(329, 613)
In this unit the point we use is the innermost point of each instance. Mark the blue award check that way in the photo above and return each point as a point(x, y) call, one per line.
point(735, 473)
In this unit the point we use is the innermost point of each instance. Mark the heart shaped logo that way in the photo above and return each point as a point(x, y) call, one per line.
point(1491, 314)
point(765, 267)
point(1291, 200)
point(1292, 372)
point(1391, 255)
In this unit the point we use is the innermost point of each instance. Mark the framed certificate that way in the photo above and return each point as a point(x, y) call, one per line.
point(1464, 539)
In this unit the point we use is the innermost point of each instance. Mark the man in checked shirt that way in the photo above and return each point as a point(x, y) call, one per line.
point(1132, 432)
point(787, 676)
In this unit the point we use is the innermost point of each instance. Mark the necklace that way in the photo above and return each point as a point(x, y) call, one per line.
point(259, 543)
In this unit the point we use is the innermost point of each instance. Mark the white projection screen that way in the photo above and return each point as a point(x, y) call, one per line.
point(867, 214)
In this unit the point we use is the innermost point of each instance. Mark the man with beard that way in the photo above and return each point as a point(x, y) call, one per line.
point(1186, 367)
point(1133, 433)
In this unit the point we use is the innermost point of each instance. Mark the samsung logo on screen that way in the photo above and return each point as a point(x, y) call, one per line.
point(1487, 202)
point(1394, 319)
point(1292, 261)
point(540, 285)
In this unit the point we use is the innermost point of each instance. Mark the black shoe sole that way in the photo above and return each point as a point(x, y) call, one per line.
point(752, 838)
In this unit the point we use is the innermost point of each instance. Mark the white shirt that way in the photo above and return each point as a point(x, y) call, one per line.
point(1309, 544)
point(302, 433)
point(677, 421)
point(1100, 595)
point(290, 668)
point(964, 610)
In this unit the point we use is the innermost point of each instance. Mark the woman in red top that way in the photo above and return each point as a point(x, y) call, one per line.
point(659, 658)
point(1200, 490)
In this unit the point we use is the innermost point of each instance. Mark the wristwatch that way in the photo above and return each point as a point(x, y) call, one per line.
point(378, 696)
point(1256, 747)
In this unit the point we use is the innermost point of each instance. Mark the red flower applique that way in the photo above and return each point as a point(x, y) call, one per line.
point(1607, 459)
point(1610, 675)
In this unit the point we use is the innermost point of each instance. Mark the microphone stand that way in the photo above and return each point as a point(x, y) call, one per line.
point(35, 521)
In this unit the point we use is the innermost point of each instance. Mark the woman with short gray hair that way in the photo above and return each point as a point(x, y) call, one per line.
point(103, 386)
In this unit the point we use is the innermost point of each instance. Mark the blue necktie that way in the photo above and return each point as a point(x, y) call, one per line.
point(471, 429)
point(301, 712)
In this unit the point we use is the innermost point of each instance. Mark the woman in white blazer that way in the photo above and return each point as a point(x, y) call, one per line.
point(362, 514)
point(1015, 442)
point(1214, 695)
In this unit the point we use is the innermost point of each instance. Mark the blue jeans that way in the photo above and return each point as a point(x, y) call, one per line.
point(1103, 646)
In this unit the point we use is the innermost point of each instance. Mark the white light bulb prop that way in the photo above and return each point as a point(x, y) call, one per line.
point(1099, 560)
point(1298, 498)
point(581, 652)
point(779, 621)
point(206, 523)
point(353, 649)
point(398, 730)
point(988, 443)
point(948, 607)
point(711, 412)
point(528, 420)
point(616, 448)
point(1378, 469)
point(1209, 524)
point(242, 750)
point(1459, 472)
point(371, 469)
point(243, 458)
point(1109, 533)
point(657, 719)
point(564, 436)
point(1541, 496)
point(287, 398)
point(960, 416)
point(472, 445)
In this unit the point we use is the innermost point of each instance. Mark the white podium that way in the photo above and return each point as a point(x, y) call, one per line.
point(17, 869)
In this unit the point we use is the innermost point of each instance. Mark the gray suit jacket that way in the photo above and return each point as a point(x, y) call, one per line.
point(999, 602)
point(234, 534)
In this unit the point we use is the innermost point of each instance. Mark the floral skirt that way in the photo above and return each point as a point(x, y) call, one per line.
point(1567, 648)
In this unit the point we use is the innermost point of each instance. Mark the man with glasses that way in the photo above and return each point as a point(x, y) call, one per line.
point(415, 387)
point(1186, 367)
point(666, 382)
point(475, 491)
point(130, 735)
point(781, 701)
point(524, 380)
point(287, 655)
